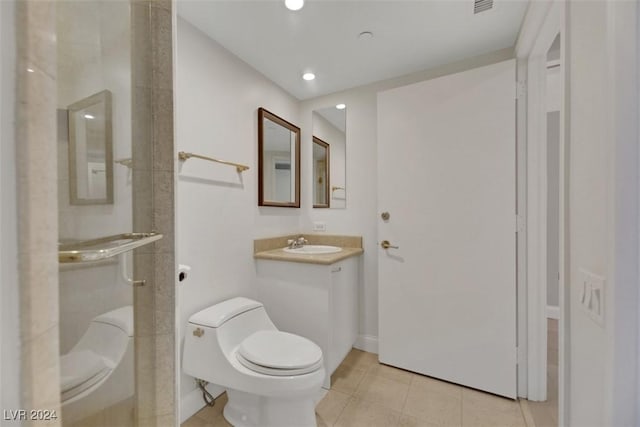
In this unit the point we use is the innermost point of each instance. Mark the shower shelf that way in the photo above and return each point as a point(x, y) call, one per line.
point(104, 247)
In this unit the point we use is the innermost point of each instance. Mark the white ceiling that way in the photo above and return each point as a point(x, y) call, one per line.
point(322, 37)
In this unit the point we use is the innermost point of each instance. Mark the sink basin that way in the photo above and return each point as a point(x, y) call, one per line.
point(314, 250)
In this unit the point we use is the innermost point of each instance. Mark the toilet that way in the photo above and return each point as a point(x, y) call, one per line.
point(272, 378)
point(98, 371)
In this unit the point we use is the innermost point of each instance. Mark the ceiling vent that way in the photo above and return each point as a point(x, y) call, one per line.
point(482, 5)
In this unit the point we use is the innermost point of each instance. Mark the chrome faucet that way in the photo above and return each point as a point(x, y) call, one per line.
point(297, 243)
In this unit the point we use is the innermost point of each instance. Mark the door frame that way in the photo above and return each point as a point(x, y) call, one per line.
point(543, 22)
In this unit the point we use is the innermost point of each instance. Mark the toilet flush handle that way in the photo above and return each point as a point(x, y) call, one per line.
point(198, 332)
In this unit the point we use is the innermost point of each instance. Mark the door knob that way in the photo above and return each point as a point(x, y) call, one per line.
point(386, 245)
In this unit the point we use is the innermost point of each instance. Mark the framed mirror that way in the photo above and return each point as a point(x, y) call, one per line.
point(321, 173)
point(91, 151)
point(329, 128)
point(278, 161)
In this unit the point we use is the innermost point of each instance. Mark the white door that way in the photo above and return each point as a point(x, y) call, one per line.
point(446, 161)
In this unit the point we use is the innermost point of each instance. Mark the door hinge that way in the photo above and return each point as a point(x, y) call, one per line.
point(521, 89)
point(520, 224)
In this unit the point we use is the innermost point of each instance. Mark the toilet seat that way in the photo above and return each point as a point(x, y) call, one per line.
point(279, 353)
point(80, 370)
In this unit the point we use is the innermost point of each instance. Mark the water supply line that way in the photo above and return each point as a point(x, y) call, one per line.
point(206, 396)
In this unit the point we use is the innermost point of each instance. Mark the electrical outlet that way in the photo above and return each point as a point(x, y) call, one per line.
point(319, 226)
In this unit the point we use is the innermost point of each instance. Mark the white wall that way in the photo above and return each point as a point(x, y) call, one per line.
point(9, 302)
point(94, 54)
point(603, 211)
point(217, 97)
point(333, 136)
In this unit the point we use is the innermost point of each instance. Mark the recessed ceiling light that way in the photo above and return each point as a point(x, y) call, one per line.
point(341, 106)
point(294, 4)
point(365, 35)
point(308, 76)
point(89, 116)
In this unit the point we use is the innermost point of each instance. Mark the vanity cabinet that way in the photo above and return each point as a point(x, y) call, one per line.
point(319, 302)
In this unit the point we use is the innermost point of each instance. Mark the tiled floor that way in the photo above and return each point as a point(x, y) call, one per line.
point(367, 393)
point(545, 414)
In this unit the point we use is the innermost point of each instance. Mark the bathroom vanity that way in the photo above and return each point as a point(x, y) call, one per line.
point(313, 295)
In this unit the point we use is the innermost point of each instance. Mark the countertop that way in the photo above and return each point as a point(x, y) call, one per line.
point(325, 259)
point(271, 248)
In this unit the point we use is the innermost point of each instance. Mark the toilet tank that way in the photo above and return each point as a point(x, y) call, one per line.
point(213, 333)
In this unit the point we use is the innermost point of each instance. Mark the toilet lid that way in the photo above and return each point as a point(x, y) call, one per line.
point(275, 350)
point(78, 367)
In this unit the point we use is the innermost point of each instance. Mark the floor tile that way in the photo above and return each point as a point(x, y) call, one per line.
point(390, 373)
point(209, 413)
point(433, 402)
point(347, 378)
point(484, 409)
point(360, 413)
point(330, 407)
point(360, 359)
point(386, 392)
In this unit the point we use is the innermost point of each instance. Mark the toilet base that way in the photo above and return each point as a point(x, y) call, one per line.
point(251, 410)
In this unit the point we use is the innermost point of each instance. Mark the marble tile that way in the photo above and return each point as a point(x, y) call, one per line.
point(161, 45)
point(40, 371)
point(330, 407)
point(163, 211)
point(37, 34)
point(360, 413)
point(142, 129)
point(484, 409)
point(141, 48)
point(383, 391)
point(38, 292)
point(163, 130)
point(143, 204)
point(346, 379)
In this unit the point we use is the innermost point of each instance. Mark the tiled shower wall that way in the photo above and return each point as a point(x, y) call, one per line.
point(153, 209)
point(153, 206)
point(37, 194)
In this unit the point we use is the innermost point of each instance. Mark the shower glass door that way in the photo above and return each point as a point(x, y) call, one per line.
point(96, 316)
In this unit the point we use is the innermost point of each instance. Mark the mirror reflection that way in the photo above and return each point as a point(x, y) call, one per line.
point(329, 127)
point(321, 176)
point(279, 161)
point(90, 151)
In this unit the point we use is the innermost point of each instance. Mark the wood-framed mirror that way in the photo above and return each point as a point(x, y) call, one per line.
point(91, 150)
point(278, 161)
point(321, 173)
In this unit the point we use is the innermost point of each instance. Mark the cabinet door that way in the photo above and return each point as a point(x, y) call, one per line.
point(344, 310)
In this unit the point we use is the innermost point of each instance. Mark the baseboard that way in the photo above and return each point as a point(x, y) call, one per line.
point(553, 312)
point(367, 343)
point(192, 402)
